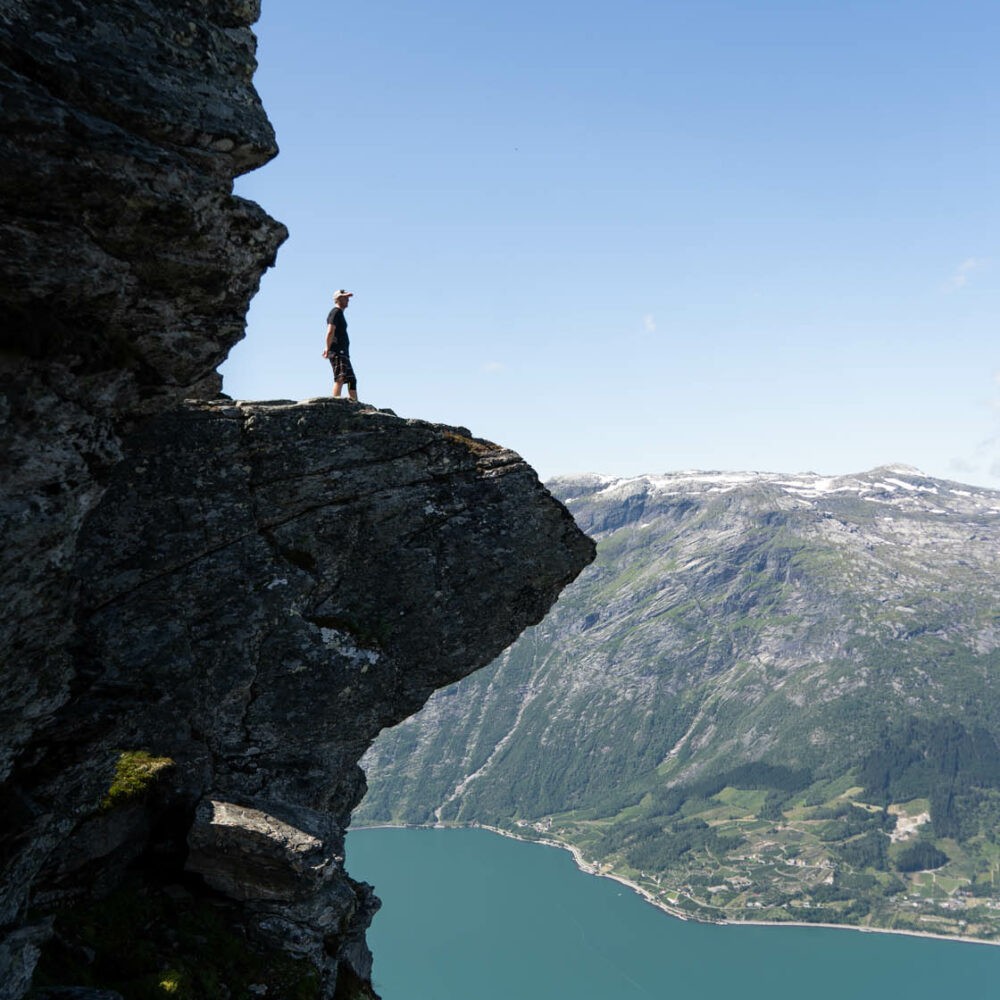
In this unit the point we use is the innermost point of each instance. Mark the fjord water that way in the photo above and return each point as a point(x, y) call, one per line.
point(469, 914)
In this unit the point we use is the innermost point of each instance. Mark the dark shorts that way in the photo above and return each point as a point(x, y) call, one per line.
point(343, 370)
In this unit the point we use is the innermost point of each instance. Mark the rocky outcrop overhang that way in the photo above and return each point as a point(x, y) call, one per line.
point(263, 588)
point(229, 599)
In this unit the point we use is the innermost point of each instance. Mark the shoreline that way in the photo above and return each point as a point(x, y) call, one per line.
point(589, 869)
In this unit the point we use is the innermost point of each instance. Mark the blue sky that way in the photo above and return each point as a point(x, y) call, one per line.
point(644, 236)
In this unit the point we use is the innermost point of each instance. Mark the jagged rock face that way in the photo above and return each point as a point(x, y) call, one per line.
point(263, 588)
point(249, 593)
point(126, 267)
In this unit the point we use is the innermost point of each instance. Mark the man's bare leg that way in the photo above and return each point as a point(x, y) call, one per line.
point(352, 394)
point(337, 386)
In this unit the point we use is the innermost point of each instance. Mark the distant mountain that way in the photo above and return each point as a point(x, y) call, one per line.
point(771, 697)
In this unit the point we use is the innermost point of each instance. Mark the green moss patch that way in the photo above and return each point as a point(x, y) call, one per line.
point(135, 772)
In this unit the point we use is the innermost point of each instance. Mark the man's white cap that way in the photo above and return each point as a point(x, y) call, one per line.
point(341, 294)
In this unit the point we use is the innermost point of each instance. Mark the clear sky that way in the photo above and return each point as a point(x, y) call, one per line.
point(644, 236)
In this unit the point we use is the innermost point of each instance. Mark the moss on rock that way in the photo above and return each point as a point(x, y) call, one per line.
point(135, 772)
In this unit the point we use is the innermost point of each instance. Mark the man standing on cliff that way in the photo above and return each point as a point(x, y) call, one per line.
point(338, 347)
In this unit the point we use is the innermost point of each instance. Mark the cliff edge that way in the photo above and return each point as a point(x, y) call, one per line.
point(211, 608)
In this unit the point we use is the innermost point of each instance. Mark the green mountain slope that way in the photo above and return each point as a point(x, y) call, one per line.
point(770, 697)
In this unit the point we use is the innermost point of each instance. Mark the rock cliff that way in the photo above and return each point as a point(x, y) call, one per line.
point(211, 608)
point(126, 267)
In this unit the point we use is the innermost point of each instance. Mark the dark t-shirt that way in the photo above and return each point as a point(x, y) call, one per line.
point(340, 344)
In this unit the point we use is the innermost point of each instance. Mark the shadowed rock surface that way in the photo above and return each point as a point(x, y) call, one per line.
point(210, 609)
point(126, 268)
point(263, 588)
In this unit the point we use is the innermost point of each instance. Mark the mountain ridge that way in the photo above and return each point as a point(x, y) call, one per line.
point(804, 622)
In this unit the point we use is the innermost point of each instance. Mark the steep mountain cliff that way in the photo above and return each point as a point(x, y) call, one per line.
point(787, 668)
point(210, 608)
point(263, 587)
point(126, 268)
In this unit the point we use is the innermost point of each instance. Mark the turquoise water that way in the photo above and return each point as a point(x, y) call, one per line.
point(469, 915)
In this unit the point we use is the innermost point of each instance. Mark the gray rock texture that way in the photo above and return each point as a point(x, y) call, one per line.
point(126, 267)
point(264, 587)
point(210, 609)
